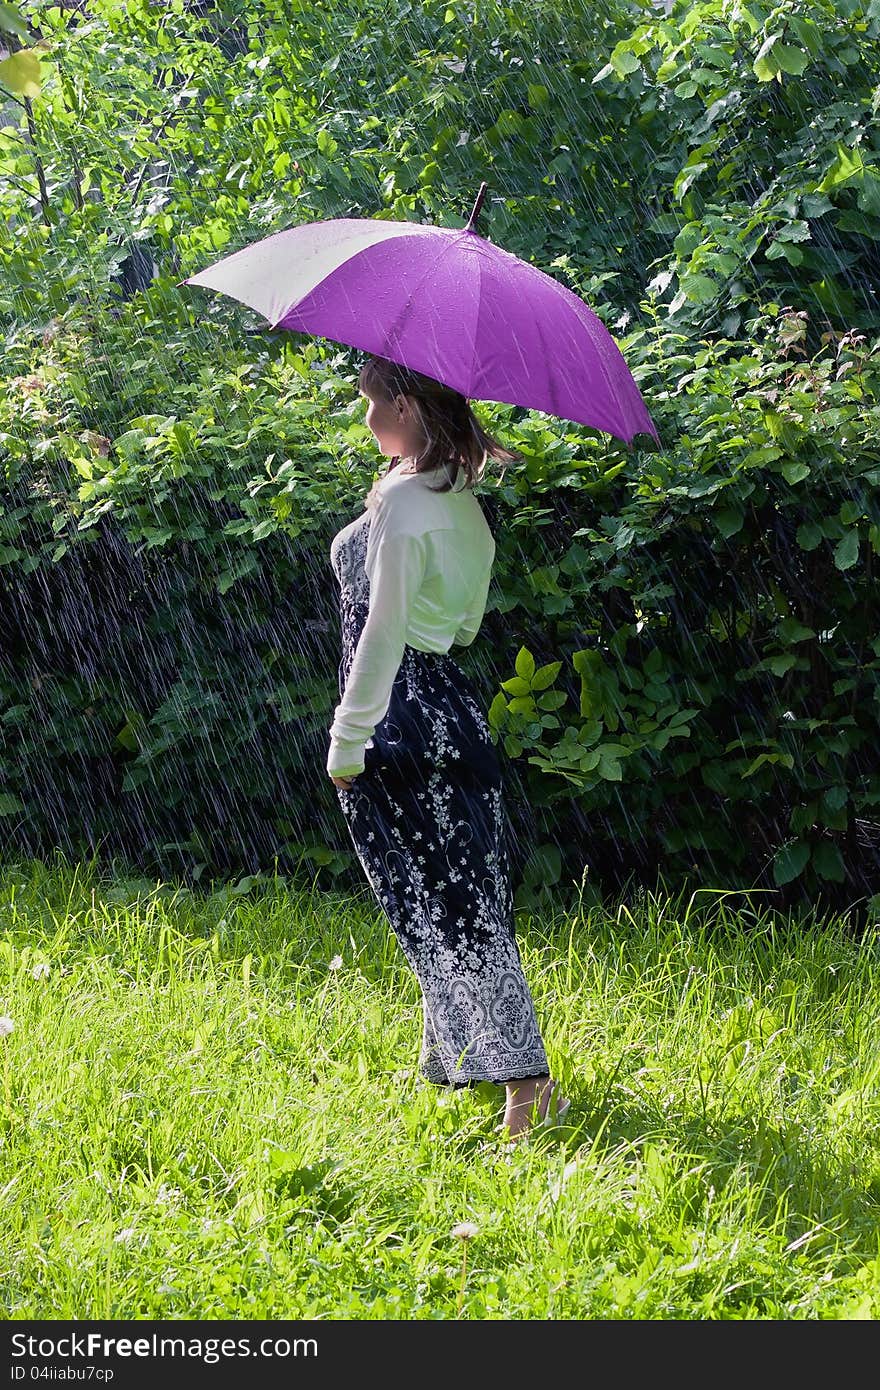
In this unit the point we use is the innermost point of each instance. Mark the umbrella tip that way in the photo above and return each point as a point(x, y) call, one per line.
point(472, 220)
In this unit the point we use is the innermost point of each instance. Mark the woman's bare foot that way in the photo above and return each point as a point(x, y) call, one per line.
point(528, 1101)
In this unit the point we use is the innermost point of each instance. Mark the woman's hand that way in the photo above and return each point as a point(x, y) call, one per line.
point(344, 782)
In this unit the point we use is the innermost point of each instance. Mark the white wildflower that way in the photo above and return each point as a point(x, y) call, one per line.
point(465, 1230)
point(335, 963)
point(6, 1026)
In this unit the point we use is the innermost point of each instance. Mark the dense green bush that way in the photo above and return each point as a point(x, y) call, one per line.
point(720, 593)
point(684, 640)
point(168, 620)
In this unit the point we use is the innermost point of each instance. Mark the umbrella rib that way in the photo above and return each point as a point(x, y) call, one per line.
point(476, 334)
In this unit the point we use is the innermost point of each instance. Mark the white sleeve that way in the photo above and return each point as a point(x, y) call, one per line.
point(474, 617)
point(398, 567)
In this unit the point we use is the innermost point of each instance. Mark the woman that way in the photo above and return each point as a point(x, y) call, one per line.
point(418, 777)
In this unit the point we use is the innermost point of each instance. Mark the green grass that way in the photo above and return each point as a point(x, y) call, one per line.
point(200, 1119)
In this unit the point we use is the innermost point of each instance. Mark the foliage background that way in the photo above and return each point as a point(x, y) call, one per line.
point(682, 646)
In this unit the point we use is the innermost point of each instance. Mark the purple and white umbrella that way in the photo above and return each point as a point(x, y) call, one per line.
point(445, 302)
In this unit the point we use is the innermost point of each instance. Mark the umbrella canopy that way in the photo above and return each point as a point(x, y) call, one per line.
point(445, 302)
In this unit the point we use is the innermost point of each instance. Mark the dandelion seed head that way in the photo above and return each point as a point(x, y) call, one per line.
point(335, 963)
point(6, 1026)
point(465, 1230)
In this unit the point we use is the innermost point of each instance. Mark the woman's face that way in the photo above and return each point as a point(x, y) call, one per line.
point(395, 427)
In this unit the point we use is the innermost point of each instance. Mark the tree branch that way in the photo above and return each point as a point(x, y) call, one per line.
point(38, 163)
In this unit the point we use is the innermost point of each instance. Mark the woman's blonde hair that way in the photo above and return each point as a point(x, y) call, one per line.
point(452, 431)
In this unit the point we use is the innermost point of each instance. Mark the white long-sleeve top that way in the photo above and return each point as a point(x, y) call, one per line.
point(429, 564)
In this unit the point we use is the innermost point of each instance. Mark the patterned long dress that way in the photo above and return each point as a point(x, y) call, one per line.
point(427, 820)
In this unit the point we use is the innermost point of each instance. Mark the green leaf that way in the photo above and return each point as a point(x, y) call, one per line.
point(780, 664)
point(846, 164)
point(545, 677)
point(790, 59)
point(21, 73)
point(790, 630)
point(497, 711)
point(127, 737)
point(691, 171)
point(610, 769)
point(828, 862)
point(790, 861)
point(835, 798)
point(729, 520)
point(803, 817)
point(809, 34)
point(797, 230)
point(700, 288)
point(624, 61)
point(10, 805)
point(516, 686)
point(753, 766)
point(846, 552)
point(815, 205)
point(795, 472)
point(682, 716)
point(508, 122)
point(554, 699)
point(158, 535)
point(809, 535)
point(687, 240)
point(868, 196)
point(851, 221)
point(779, 248)
point(244, 567)
point(589, 663)
point(11, 22)
point(523, 705)
point(525, 664)
point(613, 751)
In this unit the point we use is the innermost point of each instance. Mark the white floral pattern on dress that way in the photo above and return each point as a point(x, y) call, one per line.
point(428, 823)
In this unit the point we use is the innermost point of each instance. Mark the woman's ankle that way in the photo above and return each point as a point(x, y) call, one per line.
point(524, 1100)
